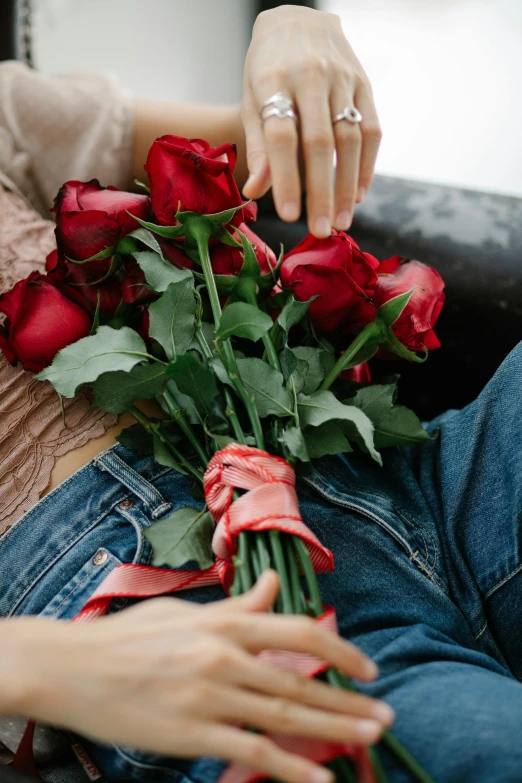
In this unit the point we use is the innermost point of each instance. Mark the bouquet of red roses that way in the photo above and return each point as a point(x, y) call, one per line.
point(258, 364)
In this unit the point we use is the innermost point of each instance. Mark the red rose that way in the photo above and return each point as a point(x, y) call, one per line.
point(342, 275)
point(414, 327)
point(228, 260)
point(360, 374)
point(90, 218)
point(189, 175)
point(174, 254)
point(134, 288)
point(71, 279)
point(40, 322)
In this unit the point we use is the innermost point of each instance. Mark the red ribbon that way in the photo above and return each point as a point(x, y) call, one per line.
point(270, 503)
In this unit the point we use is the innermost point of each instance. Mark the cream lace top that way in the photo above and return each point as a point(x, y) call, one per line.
point(52, 128)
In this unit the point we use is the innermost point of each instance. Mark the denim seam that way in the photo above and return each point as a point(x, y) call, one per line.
point(129, 477)
point(431, 571)
point(78, 584)
point(57, 555)
point(502, 582)
point(479, 634)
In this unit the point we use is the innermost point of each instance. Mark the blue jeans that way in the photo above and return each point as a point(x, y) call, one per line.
point(428, 578)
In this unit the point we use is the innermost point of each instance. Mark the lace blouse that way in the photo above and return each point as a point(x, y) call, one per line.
point(52, 128)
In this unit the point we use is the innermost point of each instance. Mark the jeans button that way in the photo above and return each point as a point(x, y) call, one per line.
point(125, 504)
point(100, 557)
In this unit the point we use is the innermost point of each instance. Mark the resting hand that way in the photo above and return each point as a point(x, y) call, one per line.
point(304, 54)
point(172, 677)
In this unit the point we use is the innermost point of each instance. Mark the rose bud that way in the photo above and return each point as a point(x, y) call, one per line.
point(414, 327)
point(342, 275)
point(40, 322)
point(90, 219)
point(227, 260)
point(189, 175)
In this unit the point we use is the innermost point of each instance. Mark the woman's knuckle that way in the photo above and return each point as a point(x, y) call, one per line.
point(259, 750)
point(373, 129)
point(283, 709)
point(318, 141)
point(347, 134)
point(316, 66)
point(280, 135)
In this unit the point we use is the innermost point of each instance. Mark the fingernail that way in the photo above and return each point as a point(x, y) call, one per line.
point(323, 227)
point(343, 220)
point(383, 712)
point(368, 730)
point(290, 211)
point(361, 194)
point(321, 775)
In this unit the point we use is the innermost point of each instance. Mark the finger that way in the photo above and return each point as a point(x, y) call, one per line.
point(255, 675)
point(281, 143)
point(371, 138)
point(260, 598)
point(259, 753)
point(348, 148)
point(257, 160)
point(318, 148)
point(300, 634)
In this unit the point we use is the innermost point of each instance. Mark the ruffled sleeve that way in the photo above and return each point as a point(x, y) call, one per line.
point(59, 127)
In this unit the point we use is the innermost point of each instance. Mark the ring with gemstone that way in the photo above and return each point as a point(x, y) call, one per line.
point(349, 113)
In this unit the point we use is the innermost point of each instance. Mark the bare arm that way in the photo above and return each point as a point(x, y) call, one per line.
point(216, 124)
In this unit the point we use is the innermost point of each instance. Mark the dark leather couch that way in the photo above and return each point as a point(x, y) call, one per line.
point(475, 241)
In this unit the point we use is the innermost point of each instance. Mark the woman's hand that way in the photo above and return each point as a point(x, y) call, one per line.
point(172, 677)
point(304, 54)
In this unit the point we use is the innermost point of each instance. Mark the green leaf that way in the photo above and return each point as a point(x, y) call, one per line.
point(395, 346)
point(159, 273)
point(266, 385)
point(292, 313)
point(148, 239)
point(163, 455)
point(185, 402)
point(109, 251)
point(88, 358)
point(325, 439)
point(184, 536)
point(243, 320)
point(96, 319)
point(172, 318)
point(319, 362)
point(394, 425)
point(169, 232)
point(391, 310)
point(217, 421)
point(115, 392)
point(322, 406)
point(194, 378)
point(250, 267)
point(295, 443)
point(136, 438)
point(141, 184)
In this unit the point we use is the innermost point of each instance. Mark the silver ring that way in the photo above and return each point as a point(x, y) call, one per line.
point(275, 111)
point(349, 113)
point(278, 105)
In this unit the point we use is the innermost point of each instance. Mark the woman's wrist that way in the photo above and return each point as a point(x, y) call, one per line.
point(24, 642)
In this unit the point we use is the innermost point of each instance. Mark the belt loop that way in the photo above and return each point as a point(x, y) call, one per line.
point(111, 462)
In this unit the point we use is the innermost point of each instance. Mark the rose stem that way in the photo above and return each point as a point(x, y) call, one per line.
point(231, 412)
point(370, 330)
point(342, 771)
point(295, 581)
point(201, 233)
point(178, 415)
point(274, 538)
point(150, 426)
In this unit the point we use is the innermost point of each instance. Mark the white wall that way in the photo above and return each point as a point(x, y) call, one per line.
point(447, 74)
point(186, 50)
point(447, 78)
